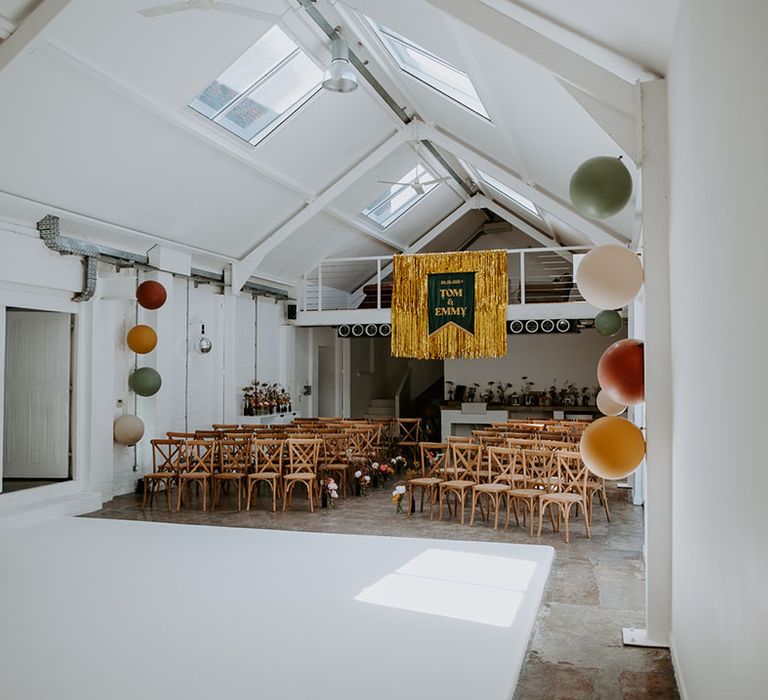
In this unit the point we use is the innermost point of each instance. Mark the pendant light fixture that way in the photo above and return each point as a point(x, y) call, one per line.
point(340, 76)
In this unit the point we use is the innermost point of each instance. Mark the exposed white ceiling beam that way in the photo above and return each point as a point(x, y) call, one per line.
point(363, 228)
point(6, 28)
point(430, 235)
point(621, 127)
point(549, 45)
point(30, 32)
point(596, 232)
point(245, 267)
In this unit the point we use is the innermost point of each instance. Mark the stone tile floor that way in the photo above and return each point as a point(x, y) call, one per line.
point(597, 586)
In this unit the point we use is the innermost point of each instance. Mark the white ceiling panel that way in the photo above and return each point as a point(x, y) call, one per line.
point(327, 137)
point(73, 143)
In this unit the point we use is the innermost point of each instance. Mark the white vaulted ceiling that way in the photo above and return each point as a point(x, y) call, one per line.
point(95, 123)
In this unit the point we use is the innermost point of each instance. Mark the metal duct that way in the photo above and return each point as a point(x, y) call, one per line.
point(50, 232)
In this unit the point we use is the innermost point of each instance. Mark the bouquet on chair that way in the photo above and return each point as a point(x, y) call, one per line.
point(398, 495)
point(330, 492)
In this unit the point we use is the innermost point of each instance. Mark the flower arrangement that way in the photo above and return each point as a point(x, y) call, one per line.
point(398, 495)
point(330, 492)
point(398, 463)
point(362, 481)
point(263, 397)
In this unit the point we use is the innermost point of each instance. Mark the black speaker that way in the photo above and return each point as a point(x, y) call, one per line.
point(547, 325)
point(290, 311)
point(370, 330)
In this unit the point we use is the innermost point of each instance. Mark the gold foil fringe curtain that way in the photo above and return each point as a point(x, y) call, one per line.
point(410, 324)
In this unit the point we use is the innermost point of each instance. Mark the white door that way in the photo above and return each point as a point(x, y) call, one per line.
point(326, 381)
point(37, 377)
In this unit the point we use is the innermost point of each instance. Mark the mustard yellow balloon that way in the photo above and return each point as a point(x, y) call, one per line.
point(141, 339)
point(612, 447)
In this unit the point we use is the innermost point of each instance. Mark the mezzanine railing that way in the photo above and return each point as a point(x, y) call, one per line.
point(536, 276)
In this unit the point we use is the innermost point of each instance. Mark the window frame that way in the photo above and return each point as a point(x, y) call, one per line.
point(367, 212)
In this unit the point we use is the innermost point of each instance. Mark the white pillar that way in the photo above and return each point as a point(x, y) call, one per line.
point(658, 363)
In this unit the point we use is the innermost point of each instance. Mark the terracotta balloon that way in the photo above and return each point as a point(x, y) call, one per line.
point(612, 447)
point(151, 295)
point(601, 187)
point(146, 381)
point(141, 339)
point(621, 372)
point(128, 430)
point(609, 276)
point(609, 407)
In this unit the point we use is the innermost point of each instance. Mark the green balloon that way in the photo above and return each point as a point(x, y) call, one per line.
point(146, 381)
point(608, 323)
point(601, 187)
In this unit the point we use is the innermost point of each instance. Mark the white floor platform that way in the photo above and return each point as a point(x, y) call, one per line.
point(97, 609)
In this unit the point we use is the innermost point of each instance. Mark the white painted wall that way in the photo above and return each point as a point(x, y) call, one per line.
point(197, 389)
point(718, 108)
point(544, 359)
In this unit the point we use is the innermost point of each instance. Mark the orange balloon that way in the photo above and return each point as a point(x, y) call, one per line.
point(141, 339)
point(612, 447)
point(621, 372)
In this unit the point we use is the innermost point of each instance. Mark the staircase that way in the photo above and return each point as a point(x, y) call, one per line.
point(381, 408)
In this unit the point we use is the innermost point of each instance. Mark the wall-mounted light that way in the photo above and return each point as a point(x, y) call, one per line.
point(340, 76)
point(203, 344)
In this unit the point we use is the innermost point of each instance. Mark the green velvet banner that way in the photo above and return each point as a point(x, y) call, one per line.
point(451, 300)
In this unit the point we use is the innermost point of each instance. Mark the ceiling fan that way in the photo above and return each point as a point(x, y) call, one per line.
point(228, 7)
point(418, 186)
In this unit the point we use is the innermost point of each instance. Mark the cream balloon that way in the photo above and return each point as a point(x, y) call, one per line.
point(128, 430)
point(609, 276)
point(609, 407)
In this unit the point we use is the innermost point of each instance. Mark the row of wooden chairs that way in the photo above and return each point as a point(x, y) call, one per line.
point(528, 477)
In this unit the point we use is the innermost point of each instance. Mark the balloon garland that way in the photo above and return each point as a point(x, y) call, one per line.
point(601, 187)
point(128, 430)
point(612, 447)
point(144, 381)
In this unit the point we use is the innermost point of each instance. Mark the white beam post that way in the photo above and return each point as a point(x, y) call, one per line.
point(243, 269)
point(658, 364)
point(597, 233)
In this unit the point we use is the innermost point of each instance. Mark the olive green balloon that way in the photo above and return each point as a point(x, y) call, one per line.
point(146, 381)
point(608, 323)
point(601, 187)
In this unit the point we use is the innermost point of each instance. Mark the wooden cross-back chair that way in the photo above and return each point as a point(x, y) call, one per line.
point(461, 475)
point(207, 434)
point(234, 462)
point(537, 471)
point(171, 435)
point(501, 473)
point(360, 442)
point(555, 444)
point(225, 426)
point(572, 475)
point(334, 460)
point(522, 443)
point(166, 463)
point(433, 458)
point(199, 456)
point(303, 456)
point(408, 434)
point(267, 457)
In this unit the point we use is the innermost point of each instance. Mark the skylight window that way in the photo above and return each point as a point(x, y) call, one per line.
point(517, 198)
point(428, 68)
point(401, 196)
point(260, 90)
